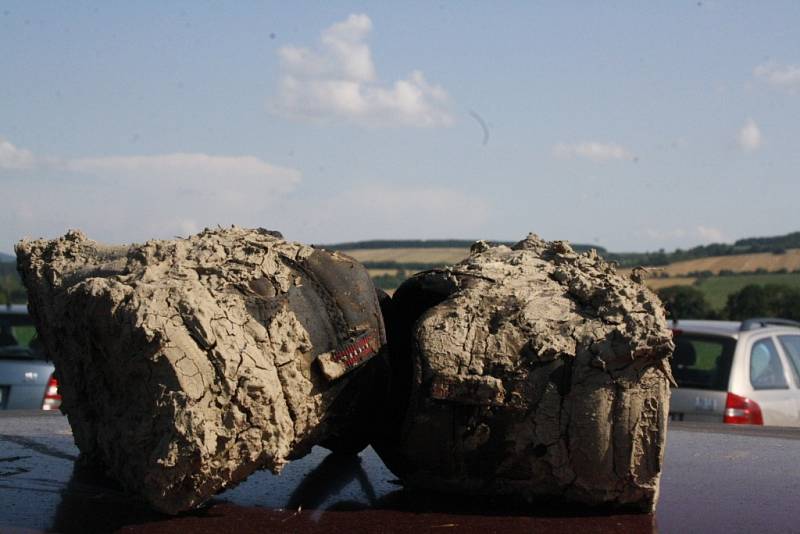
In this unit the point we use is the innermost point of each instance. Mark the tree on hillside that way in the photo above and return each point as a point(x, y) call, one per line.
point(768, 244)
point(750, 301)
point(11, 290)
point(789, 303)
point(685, 302)
point(772, 300)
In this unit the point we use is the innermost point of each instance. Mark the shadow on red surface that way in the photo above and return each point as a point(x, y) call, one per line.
point(316, 502)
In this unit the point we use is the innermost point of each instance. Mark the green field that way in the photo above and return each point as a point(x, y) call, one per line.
point(717, 288)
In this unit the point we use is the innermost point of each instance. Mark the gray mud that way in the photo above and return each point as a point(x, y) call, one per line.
point(187, 364)
point(535, 372)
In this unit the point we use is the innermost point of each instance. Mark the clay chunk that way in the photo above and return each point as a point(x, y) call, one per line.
point(187, 364)
point(535, 372)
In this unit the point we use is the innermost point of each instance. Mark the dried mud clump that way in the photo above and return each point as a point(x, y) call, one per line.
point(187, 364)
point(532, 372)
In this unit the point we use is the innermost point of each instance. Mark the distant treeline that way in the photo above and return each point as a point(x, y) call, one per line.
point(434, 243)
point(750, 245)
point(770, 244)
point(6, 258)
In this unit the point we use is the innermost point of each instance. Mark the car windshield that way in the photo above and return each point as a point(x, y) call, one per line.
point(18, 338)
point(702, 362)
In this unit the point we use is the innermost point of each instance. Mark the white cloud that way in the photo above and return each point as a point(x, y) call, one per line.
point(122, 199)
point(592, 150)
point(182, 193)
point(388, 211)
point(693, 235)
point(710, 235)
point(750, 137)
point(343, 54)
point(193, 172)
point(786, 77)
point(664, 235)
point(13, 158)
point(338, 81)
point(131, 198)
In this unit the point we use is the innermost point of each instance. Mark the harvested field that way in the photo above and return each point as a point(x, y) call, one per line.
point(409, 255)
point(381, 272)
point(652, 283)
point(717, 290)
point(738, 263)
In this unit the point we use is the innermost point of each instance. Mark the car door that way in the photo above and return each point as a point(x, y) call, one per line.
point(772, 388)
point(790, 343)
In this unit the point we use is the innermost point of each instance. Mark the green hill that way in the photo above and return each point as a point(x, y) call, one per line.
point(716, 289)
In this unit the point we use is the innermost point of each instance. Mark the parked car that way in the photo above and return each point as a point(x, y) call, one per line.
point(737, 372)
point(26, 374)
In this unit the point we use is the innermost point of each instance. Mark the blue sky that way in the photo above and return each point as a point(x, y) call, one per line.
point(630, 125)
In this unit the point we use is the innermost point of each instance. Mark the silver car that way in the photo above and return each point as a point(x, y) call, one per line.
point(26, 374)
point(737, 372)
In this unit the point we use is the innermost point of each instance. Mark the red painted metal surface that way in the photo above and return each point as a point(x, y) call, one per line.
point(718, 478)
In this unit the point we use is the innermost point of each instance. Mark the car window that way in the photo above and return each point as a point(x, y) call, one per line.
point(18, 340)
point(23, 335)
point(7, 338)
point(791, 346)
point(766, 369)
point(702, 362)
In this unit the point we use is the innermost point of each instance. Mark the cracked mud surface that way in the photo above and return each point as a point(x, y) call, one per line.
point(186, 364)
point(535, 372)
